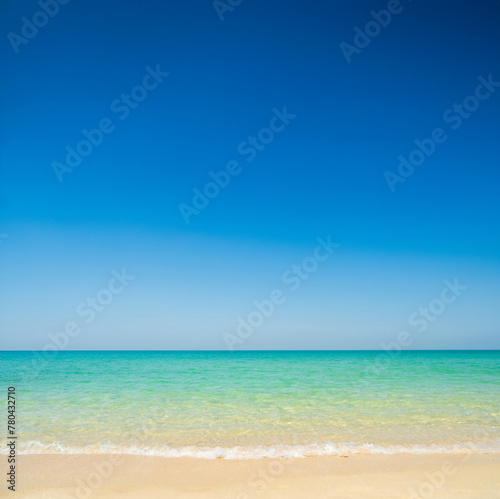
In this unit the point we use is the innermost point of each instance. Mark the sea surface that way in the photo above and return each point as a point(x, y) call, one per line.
point(247, 405)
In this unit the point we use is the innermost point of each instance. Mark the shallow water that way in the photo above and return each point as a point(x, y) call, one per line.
point(255, 404)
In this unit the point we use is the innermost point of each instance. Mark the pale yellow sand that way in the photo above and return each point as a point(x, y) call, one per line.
point(359, 476)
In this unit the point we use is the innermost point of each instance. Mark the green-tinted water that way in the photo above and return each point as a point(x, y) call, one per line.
point(310, 402)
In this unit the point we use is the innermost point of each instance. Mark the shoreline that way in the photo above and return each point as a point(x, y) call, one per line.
point(260, 450)
point(360, 476)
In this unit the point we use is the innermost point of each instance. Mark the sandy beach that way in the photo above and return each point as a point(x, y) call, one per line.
point(356, 476)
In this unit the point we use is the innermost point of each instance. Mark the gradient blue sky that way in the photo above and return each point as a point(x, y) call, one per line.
point(322, 175)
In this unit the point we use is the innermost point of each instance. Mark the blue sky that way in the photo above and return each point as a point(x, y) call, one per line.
point(322, 174)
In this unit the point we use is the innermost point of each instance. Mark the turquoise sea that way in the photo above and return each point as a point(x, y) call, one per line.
point(243, 405)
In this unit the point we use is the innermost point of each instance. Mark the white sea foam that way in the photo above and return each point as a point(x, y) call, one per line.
point(258, 452)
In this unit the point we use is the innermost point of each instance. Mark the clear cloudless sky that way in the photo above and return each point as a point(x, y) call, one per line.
point(322, 175)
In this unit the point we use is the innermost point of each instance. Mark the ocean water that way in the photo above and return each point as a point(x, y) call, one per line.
point(244, 405)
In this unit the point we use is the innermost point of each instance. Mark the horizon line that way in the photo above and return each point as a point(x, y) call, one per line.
point(271, 350)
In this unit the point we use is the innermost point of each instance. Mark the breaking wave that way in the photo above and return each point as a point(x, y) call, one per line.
point(259, 452)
